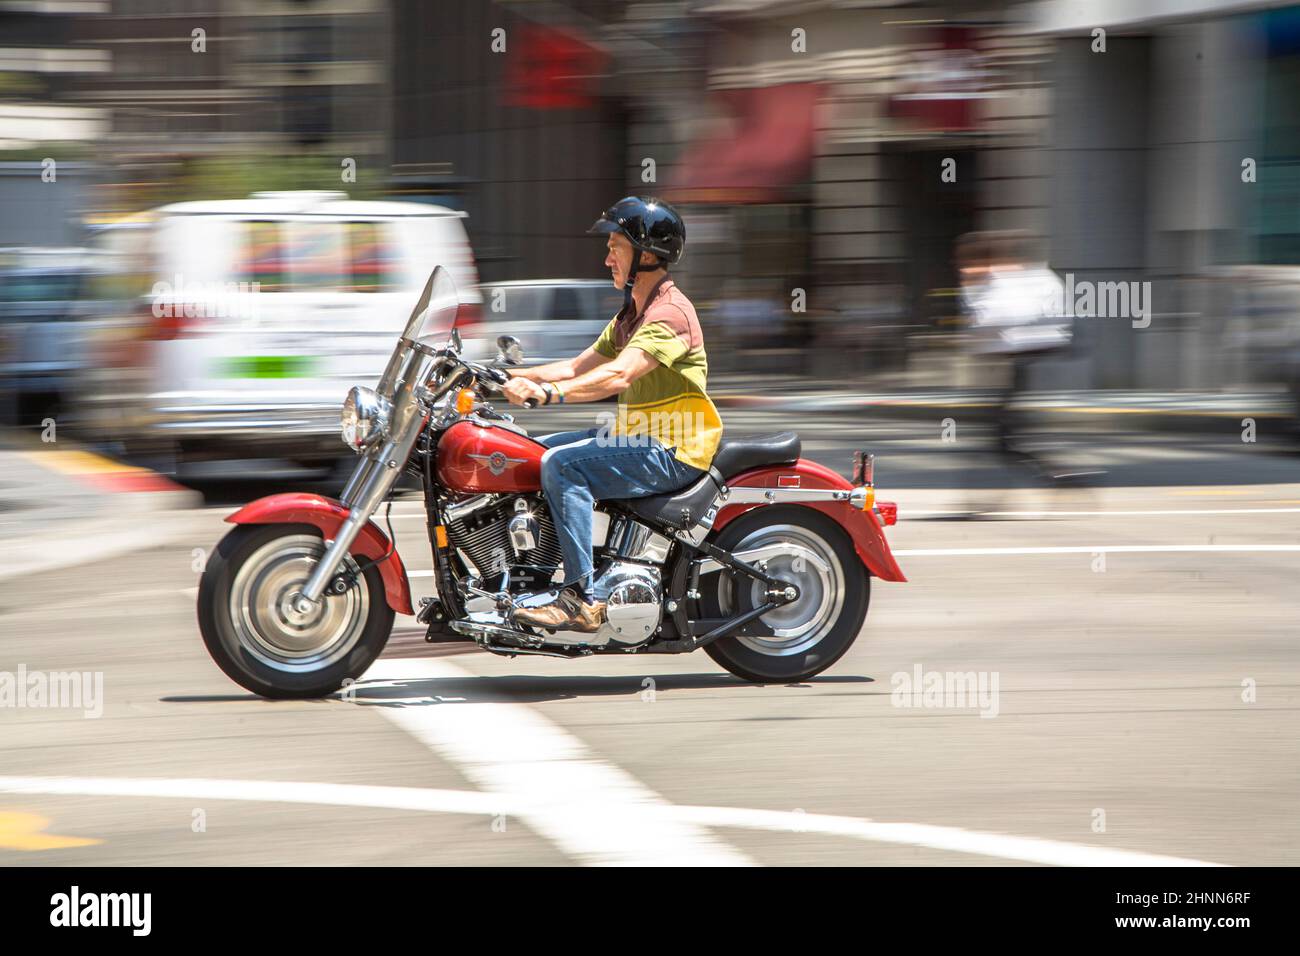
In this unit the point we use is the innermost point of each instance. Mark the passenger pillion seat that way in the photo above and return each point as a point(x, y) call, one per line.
point(681, 509)
point(741, 454)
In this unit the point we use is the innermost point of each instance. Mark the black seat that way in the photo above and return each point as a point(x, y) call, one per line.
point(741, 454)
point(681, 509)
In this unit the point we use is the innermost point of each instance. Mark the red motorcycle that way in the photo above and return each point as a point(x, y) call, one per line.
point(765, 563)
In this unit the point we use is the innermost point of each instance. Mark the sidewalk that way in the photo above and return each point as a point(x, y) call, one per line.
point(1172, 411)
point(61, 505)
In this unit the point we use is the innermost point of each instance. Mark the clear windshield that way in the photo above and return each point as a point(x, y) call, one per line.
point(430, 324)
point(435, 313)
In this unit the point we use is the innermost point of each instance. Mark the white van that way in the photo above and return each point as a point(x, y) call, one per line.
point(262, 313)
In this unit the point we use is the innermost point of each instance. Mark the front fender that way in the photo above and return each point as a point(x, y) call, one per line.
point(327, 514)
point(862, 526)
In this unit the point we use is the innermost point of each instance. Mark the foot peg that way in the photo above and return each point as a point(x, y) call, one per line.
point(502, 599)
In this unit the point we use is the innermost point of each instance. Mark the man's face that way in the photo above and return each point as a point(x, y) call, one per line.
point(618, 258)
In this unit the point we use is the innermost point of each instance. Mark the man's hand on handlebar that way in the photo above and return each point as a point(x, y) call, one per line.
point(520, 390)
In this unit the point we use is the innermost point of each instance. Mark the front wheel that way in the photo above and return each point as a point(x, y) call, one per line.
point(817, 628)
point(255, 635)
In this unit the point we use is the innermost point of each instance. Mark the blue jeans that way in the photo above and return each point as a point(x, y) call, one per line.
point(580, 470)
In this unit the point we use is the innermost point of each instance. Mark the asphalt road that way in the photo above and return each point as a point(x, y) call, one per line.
point(1137, 643)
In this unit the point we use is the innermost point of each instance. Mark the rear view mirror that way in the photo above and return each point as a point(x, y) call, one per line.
point(510, 352)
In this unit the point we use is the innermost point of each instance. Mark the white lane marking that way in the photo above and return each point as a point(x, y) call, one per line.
point(38, 555)
point(420, 574)
point(952, 839)
point(593, 811)
point(1093, 549)
point(1075, 514)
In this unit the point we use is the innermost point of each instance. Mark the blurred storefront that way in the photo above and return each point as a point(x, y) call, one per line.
point(810, 140)
point(1175, 162)
point(835, 153)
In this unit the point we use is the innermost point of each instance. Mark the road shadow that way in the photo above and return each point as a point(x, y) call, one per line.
point(518, 689)
point(534, 689)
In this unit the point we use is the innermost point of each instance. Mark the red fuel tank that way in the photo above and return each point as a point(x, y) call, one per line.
point(484, 458)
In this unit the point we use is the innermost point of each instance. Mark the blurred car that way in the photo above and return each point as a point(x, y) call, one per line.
point(257, 315)
point(45, 306)
point(552, 318)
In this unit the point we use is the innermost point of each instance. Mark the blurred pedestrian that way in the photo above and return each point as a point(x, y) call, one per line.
point(1015, 309)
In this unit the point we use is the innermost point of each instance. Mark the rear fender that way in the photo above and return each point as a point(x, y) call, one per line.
point(327, 514)
point(863, 527)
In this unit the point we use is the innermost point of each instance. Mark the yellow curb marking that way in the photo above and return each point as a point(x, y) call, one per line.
point(78, 462)
point(23, 831)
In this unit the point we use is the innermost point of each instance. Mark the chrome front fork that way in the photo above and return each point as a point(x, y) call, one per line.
point(369, 485)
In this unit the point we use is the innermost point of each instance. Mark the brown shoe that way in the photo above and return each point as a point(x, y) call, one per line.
point(567, 612)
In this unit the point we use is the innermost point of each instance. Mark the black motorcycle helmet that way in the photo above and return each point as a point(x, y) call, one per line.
point(651, 225)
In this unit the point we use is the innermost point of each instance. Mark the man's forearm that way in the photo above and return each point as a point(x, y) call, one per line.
point(601, 382)
point(553, 372)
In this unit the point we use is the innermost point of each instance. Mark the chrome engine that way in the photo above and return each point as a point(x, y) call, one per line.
point(493, 532)
point(505, 532)
point(634, 605)
point(632, 609)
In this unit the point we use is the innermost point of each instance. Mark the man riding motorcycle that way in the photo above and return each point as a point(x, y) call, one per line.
point(651, 355)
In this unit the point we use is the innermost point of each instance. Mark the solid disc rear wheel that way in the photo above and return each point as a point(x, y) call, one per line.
point(812, 632)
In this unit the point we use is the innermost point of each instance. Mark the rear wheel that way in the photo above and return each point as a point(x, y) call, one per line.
point(812, 632)
point(255, 635)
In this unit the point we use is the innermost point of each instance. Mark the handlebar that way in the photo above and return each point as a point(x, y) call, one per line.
point(498, 377)
point(492, 379)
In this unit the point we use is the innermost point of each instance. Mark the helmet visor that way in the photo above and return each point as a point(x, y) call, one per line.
point(602, 226)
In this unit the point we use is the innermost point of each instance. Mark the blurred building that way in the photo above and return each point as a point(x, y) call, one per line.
point(1150, 144)
point(142, 88)
point(45, 66)
point(523, 128)
point(811, 155)
point(827, 153)
point(831, 155)
point(193, 76)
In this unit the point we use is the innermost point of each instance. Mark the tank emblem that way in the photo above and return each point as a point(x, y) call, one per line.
point(497, 462)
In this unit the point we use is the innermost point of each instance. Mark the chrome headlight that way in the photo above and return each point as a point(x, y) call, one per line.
point(364, 418)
